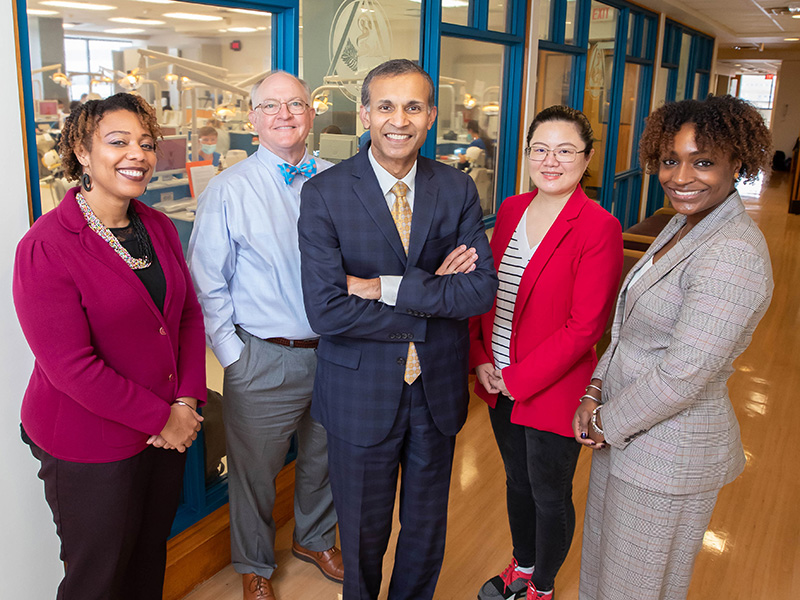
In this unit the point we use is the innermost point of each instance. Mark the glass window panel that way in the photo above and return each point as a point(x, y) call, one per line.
point(683, 67)
point(627, 119)
point(662, 82)
point(498, 11)
point(340, 43)
point(569, 25)
point(596, 99)
point(553, 79)
point(453, 11)
point(469, 95)
point(646, 24)
point(545, 12)
point(631, 30)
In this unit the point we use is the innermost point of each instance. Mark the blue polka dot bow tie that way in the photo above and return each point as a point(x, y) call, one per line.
point(308, 168)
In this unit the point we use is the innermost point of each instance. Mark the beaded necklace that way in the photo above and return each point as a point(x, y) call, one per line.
point(97, 226)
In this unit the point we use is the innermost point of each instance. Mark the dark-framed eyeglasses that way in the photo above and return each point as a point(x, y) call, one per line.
point(562, 155)
point(272, 107)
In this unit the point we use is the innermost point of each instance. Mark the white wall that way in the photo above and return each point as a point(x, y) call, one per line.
point(785, 113)
point(30, 567)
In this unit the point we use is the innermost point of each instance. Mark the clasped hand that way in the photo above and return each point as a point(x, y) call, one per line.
point(492, 380)
point(582, 426)
point(460, 260)
point(181, 427)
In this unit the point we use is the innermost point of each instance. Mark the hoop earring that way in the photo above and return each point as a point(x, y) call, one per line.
point(86, 182)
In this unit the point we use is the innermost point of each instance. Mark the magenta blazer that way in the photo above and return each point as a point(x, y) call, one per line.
point(565, 296)
point(108, 363)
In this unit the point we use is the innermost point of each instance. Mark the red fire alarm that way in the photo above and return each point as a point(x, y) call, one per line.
point(236, 45)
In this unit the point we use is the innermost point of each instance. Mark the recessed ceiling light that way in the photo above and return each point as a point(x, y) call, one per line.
point(38, 12)
point(68, 25)
point(791, 39)
point(192, 16)
point(796, 16)
point(242, 29)
point(78, 5)
point(261, 28)
point(135, 21)
point(737, 65)
point(124, 30)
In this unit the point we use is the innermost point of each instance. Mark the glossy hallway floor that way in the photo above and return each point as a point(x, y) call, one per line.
point(752, 548)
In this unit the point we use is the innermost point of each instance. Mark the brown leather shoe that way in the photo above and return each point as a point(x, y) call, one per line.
point(256, 587)
point(329, 562)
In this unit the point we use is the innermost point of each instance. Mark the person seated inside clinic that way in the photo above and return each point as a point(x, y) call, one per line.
point(207, 136)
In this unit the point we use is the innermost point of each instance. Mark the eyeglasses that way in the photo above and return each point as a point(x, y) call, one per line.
point(562, 155)
point(273, 107)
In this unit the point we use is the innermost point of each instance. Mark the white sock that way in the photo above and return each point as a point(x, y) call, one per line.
point(526, 570)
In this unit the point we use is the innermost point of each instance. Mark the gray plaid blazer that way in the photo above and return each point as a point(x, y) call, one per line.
point(676, 333)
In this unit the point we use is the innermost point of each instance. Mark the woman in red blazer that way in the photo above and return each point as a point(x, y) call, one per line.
point(559, 258)
point(106, 303)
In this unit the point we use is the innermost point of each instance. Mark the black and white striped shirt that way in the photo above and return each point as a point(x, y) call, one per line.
point(515, 259)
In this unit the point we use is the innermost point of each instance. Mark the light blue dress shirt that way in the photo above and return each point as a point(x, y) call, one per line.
point(244, 255)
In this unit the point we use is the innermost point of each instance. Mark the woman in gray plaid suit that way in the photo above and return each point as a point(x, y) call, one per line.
point(657, 411)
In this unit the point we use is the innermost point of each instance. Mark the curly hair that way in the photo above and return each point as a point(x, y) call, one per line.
point(729, 125)
point(80, 125)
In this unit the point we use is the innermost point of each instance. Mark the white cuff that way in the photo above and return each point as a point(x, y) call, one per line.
point(390, 285)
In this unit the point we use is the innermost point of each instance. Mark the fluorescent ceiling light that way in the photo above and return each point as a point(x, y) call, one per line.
point(124, 30)
point(246, 11)
point(133, 21)
point(793, 16)
point(78, 5)
point(192, 16)
point(791, 39)
point(68, 25)
point(38, 12)
point(242, 29)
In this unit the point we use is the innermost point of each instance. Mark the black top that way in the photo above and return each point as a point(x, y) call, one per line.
point(153, 276)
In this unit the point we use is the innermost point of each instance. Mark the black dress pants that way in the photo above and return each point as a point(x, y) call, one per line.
point(539, 468)
point(113, 520)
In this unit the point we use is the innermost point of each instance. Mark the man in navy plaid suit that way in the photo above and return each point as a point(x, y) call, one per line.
point(391, 307)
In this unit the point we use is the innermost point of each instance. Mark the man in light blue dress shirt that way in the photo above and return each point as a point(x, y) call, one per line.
point(245, 262)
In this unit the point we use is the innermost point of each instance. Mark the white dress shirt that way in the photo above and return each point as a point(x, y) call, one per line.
point(390, 284)
point(244, 255)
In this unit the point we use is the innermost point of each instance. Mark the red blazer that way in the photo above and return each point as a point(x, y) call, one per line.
point(564, 299)
point(108, 363)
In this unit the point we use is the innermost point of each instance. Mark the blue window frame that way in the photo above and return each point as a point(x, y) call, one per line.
point(197, 499)
point(623, 197)
point(511, 93)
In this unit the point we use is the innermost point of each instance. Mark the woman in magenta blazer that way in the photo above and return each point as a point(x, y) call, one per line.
point(105, 301)
point(559, 258)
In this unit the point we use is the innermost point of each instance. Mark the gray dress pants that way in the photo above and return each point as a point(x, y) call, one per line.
point(266, 399)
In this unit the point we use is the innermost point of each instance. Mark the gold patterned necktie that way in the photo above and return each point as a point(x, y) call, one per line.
point(401, 213)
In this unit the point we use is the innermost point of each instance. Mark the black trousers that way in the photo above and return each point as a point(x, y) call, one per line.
point(364, 485)
point(539, 467)
point(113, 520)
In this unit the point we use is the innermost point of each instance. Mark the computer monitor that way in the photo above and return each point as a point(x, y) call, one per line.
point(46, 108)
point(169, 131)
point(337, 147)
point(172, 154)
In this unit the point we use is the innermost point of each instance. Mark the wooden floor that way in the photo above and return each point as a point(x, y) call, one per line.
point(752, 548)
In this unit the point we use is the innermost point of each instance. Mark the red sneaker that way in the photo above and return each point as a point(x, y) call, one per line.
point(506, 585)
point(531, 593)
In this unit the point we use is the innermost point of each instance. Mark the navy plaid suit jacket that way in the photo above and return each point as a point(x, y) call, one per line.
point(345, 229)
